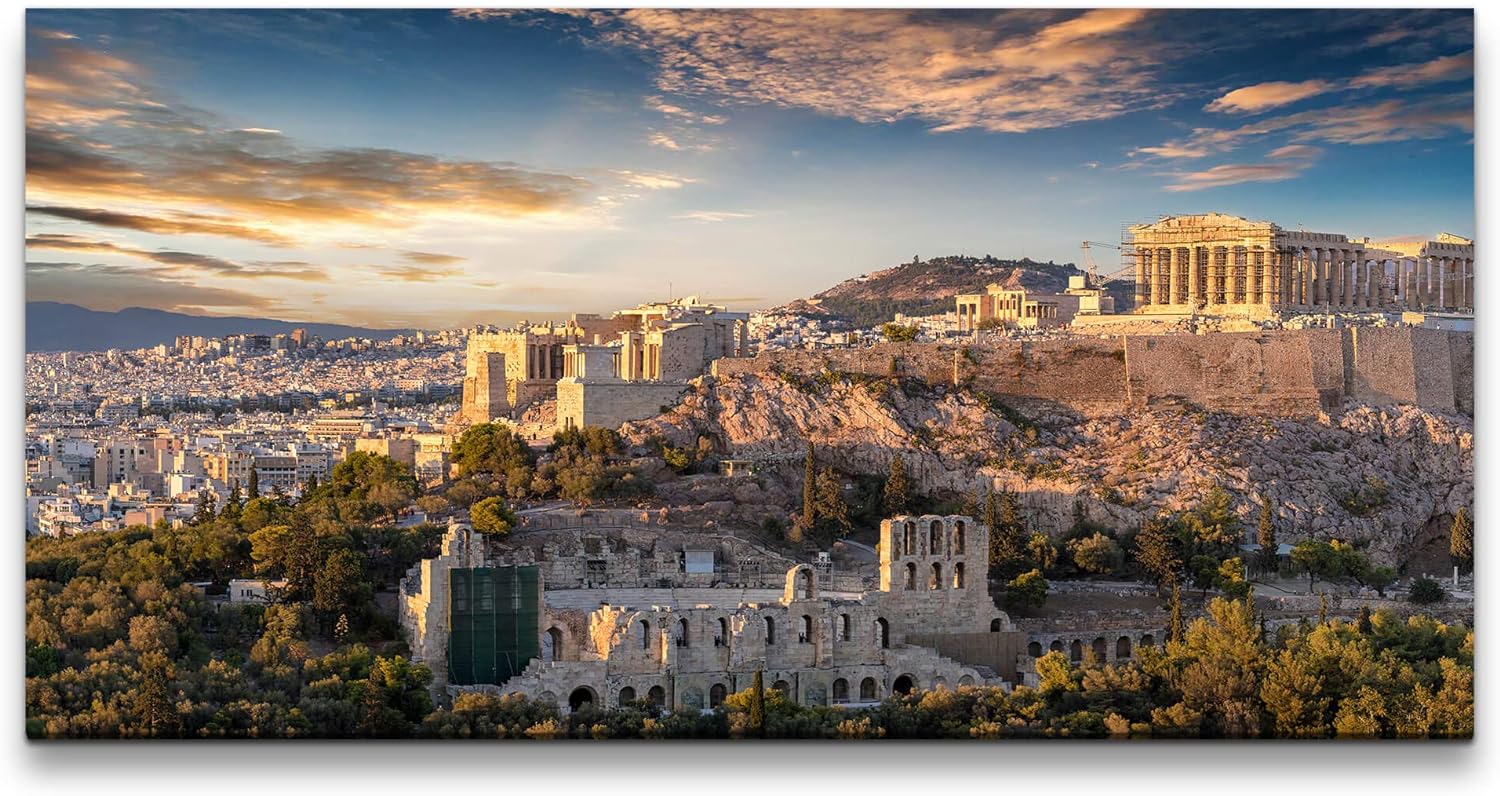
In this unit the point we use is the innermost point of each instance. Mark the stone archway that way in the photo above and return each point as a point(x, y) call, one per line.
point(905, 684)
point(869, 690)
point(627, 695)
point(657, 696)
point(582, 695)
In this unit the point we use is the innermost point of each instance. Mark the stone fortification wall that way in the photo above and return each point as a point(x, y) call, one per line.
point(1287, 373)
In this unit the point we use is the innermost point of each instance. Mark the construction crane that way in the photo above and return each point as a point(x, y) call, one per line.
point(1093, 268)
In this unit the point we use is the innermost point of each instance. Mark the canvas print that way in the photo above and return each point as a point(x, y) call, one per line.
point(881, 374)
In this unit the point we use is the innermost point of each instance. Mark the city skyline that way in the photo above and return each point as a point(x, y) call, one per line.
point(394, 168)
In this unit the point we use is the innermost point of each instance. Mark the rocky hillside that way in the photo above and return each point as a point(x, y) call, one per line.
point(1392, 476)
point(923, 287)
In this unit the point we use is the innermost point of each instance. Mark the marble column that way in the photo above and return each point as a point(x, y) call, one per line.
point(1196, 256)
point(1142, 282)
point(1361, 281)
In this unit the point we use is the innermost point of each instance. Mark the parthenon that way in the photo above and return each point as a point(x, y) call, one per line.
point(1222, 264)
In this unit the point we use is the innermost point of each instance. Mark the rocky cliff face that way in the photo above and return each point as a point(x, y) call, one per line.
point(1390, 475)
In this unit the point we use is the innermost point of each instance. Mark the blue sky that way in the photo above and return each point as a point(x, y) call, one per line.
point(436, 168)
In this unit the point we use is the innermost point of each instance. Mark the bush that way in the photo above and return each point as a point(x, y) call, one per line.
point(492, 516)
point(1426, 591)
point(896, 333)
point(1028, 590)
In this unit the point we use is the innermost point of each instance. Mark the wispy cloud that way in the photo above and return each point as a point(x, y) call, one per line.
point(179, 262)
point(712, 216)
point(1283, 163)
point(1264, 96)
point(110, 288)
point(431, 258)
point(1439, 70)
point(183, 224)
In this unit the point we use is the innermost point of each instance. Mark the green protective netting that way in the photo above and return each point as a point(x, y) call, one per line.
point(494, 617)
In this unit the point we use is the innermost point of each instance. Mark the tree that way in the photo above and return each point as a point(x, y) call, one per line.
point(1461, 541)
point(492, 516)
point(1265, 535)
point(1007, 540)
point(1043, 552)
point(1426, 591)
point(155, 715)
point(253, 490)
point(1026, 591)
point(1156, 552)
point(897, 490)
point(1098, 554)
point(1313, 557)
point(1221, 678)
point(340, 585)
point(1175, 625)
point(204, 513)
point(757, 706)
point(809, 488)
point(897, 333)
point(832, 510)
point(1213, 524)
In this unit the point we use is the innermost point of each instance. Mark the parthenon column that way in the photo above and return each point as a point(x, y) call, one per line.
point(1181, 268)
point(1361, 281)
point(1196, 256)
point(1299, 266)
point(1169, 257)
point(1142, 283)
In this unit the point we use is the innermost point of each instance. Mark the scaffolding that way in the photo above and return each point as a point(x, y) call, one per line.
point(494, 621)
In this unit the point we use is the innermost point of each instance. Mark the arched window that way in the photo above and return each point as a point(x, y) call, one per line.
point(939, 682)
point(657, 696)
point(682, 633)
point(627, 695)
point(1075, 651)
point(935, 538)
point(995, 626)
point(958, 575)
point(958, 537)
point(805, 584)
point(1100, 649)
point(936, 581)
point(1122, 648)
point(716, 695)
point(843, 627)
point(552, 645)
point(840, 691)
point(582, 695)
point(1034, 649)
point(770, 630)
point(784, 687)
point(1056, 646)
point(645, 635)
point(722, 640)
point(911, 577)
point(910, 539)
point(1148, 640)
point(869, 691)
point(806, 636)
point(965, 681)
point(905, 684)
point(883, 633)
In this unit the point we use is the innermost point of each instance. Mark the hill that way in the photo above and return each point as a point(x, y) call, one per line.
point(925, 287)
point(53, 326)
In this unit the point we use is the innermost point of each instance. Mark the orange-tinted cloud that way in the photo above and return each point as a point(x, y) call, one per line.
point(183, 224)
point(110, 288)
point(180, 262)
point(1264, 96)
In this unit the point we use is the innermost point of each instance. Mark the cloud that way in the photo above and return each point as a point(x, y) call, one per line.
point(651, 180)
point(1295, 151)
point(110, 288)
point(186, 224)
point(1289, 162)
point(1264, 96)
point(431, 258)
point(179, 262)
point(1403, 76)
point(1001, 71)
point(664, 141)
point(662, 106)
point(711, 216)
point(418, 273)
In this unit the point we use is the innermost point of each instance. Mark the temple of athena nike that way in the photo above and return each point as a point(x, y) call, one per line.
point(1226, 265)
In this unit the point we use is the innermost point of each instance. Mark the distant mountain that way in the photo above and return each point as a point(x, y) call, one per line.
point(52, 326)
point(926, 287)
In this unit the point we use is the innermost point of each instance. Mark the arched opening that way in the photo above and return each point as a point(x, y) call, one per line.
point(1122, 648)
point(682, 632)
point(958, 537)
point(722, 640)
point(806, 635)
point(1148, 640)
point(965, 681)
point(552, 645)
point(869, 691)
point(627, 695)
point(1034, 649)
point(657, 696)
point(911, 577)
point(1075, 651)
point(903, 685)
point(840, 691)
point(936, 581)
point(770, 630)
point(645, 635)
point(958, 575)
point(805, 584)
point(995, 625)
point(1056, 646)
point(843, 627)
point(883, 633)
point(909, 539)
point(582, 695)
point(784, 687)
point(935, 538)
point(716, 695)
point(1100, 649)
point(939, 682)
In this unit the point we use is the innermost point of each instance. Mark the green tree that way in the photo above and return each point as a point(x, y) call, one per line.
point(1026, 591)
point(1461, 541)
point(1221, 675)
point(1043, 552)
point(1316, 558)
point(1426, 591)
point(1156, 552)
point(757, 706)
point(492, 516)
point(809, 489)
point(340, 585)
point(1265, 535)
point(897, 495)
point(253, 489)
point(832, 510)
point(897, 333)
point(1213, 523)
point(154, 712)
point(1098, 554)
point(1175, 624)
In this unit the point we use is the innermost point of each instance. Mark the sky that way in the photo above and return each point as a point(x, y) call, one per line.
point(437, 168)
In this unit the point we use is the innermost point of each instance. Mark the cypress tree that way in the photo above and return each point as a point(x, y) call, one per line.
point(1365, 625)
point(254, 487)
point(1265, 534)
point(897, 490)
point(757, 706)
point(1177, 628)
point(1461, 541)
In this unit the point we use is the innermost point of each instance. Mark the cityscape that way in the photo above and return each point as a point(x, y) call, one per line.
point(340, 424)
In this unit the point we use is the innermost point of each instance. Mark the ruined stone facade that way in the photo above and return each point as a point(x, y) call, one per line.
point(1015, 308)
point(688, 648)
point(604, 371)
point(1227, 265)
